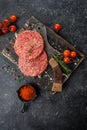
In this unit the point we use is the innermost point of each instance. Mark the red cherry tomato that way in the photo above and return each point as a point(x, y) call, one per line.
point(57, 27)
point(5, 29)
point(6, 22)
point(66, 53)
point(13, 18)
point(73, 54)
point(66, 60)
point(12, 28)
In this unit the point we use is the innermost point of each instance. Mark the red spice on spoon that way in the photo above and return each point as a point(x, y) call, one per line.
point(27, 93)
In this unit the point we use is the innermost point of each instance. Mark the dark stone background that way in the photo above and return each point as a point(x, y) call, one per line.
point(63, 111)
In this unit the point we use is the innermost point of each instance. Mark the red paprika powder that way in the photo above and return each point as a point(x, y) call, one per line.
point(27, 92)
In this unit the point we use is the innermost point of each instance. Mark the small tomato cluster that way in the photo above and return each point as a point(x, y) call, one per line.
point(68, 55)
point(7, 25)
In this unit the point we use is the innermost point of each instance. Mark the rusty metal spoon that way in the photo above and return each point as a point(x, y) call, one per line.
point(21, 97)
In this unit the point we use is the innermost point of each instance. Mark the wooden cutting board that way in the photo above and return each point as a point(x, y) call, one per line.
point(53, 41)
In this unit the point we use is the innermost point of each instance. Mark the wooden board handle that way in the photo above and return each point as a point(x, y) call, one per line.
point(58, 78)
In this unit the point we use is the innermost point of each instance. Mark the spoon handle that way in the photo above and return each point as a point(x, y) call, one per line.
point(24, 107)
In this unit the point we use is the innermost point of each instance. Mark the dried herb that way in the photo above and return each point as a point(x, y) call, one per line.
point(19, 78)
point(30, 51)
point(64, 67)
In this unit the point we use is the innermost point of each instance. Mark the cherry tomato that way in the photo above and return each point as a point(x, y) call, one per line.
point(5, 29)
point(13, 18)
point(6, 22)
point(73, 54)
point(66, 53)
point(57, 27)
point(1, 25)
point(12, 28)
point(66, 60)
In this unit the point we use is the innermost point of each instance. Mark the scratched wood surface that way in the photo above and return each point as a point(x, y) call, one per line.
point(45, 80)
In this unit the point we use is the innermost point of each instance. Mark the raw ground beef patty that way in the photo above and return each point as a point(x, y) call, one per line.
point(33, 67)
point(29, 43)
